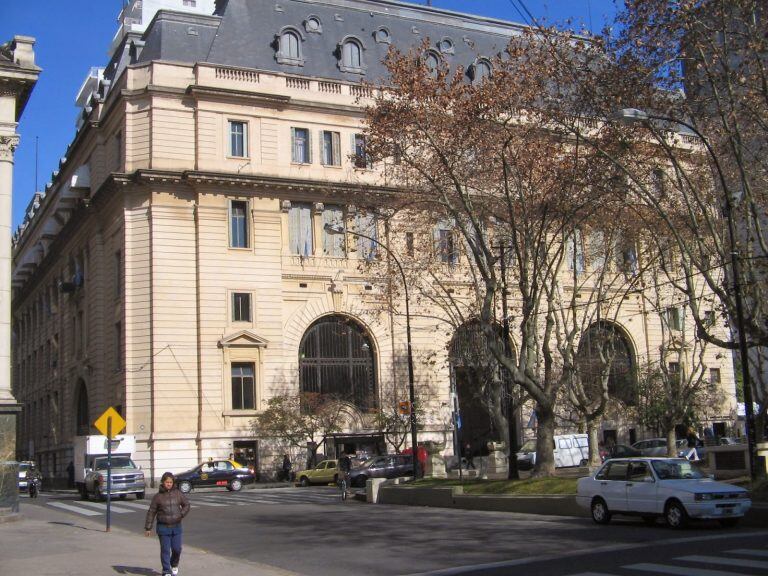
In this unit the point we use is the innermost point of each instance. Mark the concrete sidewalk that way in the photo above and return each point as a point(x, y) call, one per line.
point(52, 543)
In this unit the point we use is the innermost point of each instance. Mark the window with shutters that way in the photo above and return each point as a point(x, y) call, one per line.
point(367, 244)
point(351, 56)
point(300, 229)
point(289, 47)
point(330, 148)
point(333, 244)
point(300, 146)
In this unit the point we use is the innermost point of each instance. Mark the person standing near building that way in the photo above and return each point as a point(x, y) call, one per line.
point(170, 506)
point(286, 468)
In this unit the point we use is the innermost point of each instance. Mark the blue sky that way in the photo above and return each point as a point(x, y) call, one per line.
point(73, 36)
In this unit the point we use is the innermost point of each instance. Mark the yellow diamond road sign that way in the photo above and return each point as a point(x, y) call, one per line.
point(118, 424)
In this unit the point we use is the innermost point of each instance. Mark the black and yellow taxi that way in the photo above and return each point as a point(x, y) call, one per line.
point(225, 473)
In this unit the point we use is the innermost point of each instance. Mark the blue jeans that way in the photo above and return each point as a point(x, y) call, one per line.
point(170, 545)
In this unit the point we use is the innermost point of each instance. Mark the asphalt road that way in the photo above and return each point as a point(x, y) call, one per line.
point(311, 532)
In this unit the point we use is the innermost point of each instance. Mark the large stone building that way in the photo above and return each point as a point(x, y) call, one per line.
point(177, 266)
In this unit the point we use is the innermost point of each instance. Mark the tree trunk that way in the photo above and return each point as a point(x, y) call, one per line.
point(545, 442)
point(671, 442)
point(594, 446)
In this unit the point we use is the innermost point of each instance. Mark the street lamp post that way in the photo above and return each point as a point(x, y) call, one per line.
point(630, 115)
point(411, 396)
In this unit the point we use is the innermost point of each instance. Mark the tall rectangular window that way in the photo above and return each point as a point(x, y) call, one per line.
point(300, 146)
point(241, 307)
point(574, 252)
point(714, 377)
point(118, 346)
point(118, 274)
point(674, 318)
point(333, 244)
point(243, 387)
point(238, 224)
point(331, 148)
point(409, 243)
point(445, 241)
point(366, 224)
point(238, 139)
point(300, 229)
point(359, 146)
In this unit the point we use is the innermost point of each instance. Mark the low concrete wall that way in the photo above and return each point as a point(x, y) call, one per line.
point(454, 497)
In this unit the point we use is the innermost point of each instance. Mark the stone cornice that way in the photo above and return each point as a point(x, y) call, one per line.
point(206, 92)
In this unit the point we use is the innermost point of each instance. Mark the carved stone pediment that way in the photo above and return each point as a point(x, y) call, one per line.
point(243, 339)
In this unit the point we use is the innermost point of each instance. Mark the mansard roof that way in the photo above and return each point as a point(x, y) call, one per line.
point(243, 33)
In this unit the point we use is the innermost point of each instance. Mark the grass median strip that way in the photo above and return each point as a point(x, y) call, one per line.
point(528, 487)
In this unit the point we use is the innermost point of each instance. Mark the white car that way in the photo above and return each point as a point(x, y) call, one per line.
point(660, 487)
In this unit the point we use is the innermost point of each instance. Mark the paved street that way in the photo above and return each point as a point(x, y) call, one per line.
point(310, 532)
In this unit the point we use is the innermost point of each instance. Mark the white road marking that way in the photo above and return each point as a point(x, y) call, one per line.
point(69, 508)
point(727, 561)
point(747, 552)
point(680, 570)
point(135, 504)
point(103, 507)
point(204, 503)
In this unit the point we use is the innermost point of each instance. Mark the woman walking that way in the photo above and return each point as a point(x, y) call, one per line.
point(170, 506)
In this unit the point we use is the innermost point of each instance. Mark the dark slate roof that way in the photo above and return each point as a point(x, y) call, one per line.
point(243, 34)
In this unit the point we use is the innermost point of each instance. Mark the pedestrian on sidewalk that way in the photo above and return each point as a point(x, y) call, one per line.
point(170, 506)
point(469, 456)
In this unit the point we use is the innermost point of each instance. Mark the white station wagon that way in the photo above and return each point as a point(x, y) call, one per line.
point(654, 487)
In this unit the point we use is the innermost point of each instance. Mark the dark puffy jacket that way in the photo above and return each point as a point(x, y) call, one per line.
point(170, 506)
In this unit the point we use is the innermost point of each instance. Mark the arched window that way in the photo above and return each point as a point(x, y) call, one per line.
point(432, 62)
point(289, 47)
point(480, 71)
point(83, 420)
point(336, 358)
point(603, 342)
point(352, 56)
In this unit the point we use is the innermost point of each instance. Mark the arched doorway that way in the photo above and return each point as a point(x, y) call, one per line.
point(82, 416)
point(479, 386)
point(336, 358)
point(616, 346)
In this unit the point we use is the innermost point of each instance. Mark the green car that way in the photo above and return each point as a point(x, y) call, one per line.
point(324, 473)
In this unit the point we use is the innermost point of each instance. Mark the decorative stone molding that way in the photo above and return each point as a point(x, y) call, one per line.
point(8, 145)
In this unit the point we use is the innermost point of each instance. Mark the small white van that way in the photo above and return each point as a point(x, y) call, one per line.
point(569, 450)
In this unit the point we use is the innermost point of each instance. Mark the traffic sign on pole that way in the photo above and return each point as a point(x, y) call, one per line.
point(118, 423)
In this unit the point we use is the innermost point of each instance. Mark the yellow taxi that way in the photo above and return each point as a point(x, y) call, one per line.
point(324, 473)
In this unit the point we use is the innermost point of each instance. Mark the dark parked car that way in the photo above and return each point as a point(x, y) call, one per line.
point(619, 451)
point(388, 466)
point(225, 473)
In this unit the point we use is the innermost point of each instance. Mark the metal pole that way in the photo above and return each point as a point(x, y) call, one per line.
point(109, 471)
point(512, 472)
point(411, 392)
point(736, 268)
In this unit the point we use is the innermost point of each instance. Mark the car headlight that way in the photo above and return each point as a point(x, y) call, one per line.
point(703, 496)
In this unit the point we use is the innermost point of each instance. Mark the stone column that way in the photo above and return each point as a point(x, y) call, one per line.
point(9, 408)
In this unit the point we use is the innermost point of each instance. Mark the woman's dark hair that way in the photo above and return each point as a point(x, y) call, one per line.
point(167, 475)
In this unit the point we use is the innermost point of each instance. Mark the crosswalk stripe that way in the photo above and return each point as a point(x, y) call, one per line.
point(103, 507)
point(225, 501)
point(69, 508)
point(139, 504)
point(747, 552)
point(741, 562)
point(679, 570)
point(204, 503)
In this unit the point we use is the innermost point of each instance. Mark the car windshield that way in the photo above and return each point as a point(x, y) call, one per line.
point(529, 446)
point(117, 462)
point(675, 470)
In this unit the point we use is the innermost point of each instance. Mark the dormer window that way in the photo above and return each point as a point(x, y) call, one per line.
point(289, 47)
point(432, 63)
point(481, 70)
point(351, 53)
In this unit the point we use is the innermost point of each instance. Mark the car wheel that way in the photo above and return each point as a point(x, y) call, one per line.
point(304, 481)
point(185, 486)
point(729, 522)
point(139, 495)
point(649, 520)
point(600, 512)
point(236, 485)
point(583, 462)
point(675, 515)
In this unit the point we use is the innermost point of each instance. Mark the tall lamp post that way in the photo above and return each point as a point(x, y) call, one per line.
point(337, 230)
point(630, 115)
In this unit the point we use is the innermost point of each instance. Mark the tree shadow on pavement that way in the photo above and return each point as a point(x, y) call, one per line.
point(135, 570)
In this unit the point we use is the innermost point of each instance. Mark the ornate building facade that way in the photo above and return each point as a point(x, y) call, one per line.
point(178, 266)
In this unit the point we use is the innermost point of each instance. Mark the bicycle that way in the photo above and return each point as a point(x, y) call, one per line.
point(343, 483)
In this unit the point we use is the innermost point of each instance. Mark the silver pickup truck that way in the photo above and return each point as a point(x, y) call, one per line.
point(127, 478)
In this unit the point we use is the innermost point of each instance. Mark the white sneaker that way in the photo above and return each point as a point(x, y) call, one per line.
point(175, 570)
